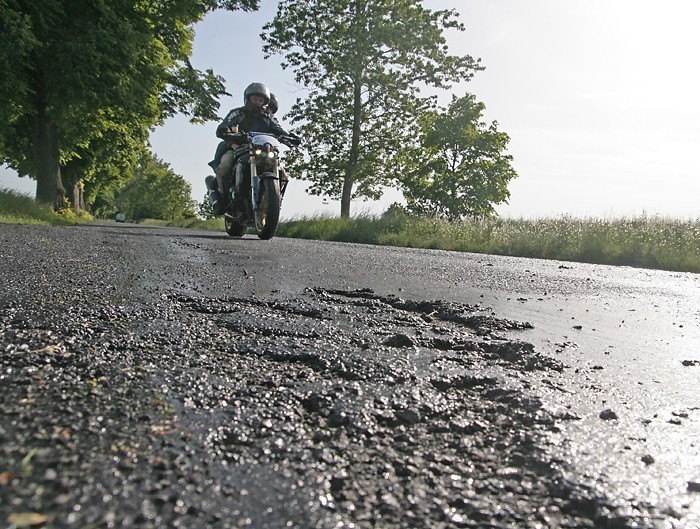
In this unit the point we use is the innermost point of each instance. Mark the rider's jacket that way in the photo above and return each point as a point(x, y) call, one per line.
point(250, 120)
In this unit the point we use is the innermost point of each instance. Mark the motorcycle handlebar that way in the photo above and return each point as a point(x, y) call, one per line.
point(236, 137)
point(242, 138)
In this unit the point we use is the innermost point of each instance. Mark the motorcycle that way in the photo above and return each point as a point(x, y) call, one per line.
point(258, 185)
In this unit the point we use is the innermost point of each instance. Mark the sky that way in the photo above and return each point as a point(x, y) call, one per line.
point(600, 100)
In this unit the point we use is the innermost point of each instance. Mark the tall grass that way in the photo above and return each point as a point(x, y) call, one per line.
point(644, 241)
point(18, 208)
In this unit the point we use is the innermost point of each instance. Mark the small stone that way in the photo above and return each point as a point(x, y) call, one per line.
point(399, 340)
point(694, 486)
point(607, 415)
point(337, 418)
point(407, 416)
point(647, 459)
point(337, 483)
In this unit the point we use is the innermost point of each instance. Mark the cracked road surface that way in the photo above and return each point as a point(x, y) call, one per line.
point(168, 378)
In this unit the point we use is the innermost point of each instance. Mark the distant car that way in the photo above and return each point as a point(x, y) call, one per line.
point(120, 217)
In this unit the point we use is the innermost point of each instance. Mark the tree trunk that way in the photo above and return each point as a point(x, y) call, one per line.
point(351, 168)
point(346, 197)
point(70, 174)
point(49, 186)
point(78, 198)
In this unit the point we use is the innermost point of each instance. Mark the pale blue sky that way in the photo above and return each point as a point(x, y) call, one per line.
point(598, 97)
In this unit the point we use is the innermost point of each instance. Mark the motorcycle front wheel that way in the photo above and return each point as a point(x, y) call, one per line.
point(233, 227)
point(267, 214)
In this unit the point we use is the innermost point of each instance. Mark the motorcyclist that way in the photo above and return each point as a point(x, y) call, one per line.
point(272, 108)
point(253, 116)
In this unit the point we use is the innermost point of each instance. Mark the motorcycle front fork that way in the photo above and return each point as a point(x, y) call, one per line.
point(238, 188)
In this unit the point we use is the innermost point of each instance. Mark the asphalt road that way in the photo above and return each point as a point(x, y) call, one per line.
point(156, 377)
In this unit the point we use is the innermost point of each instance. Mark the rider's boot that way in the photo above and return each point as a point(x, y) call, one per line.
point(215, 197)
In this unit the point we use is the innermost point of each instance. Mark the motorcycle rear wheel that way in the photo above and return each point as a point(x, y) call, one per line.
point(234, 228)
point(267, 214)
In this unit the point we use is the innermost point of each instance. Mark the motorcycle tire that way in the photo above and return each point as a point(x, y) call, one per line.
point(267, 214)
point(234, 228)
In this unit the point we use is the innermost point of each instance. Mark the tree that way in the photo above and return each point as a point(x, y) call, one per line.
point(156, 192)
point(72, 69)
point(204, 209)
point(460, 167)
point(16, 42)
point(364, 63)
point(101, 165)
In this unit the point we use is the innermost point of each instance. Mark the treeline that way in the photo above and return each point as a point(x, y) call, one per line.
point(85, 82)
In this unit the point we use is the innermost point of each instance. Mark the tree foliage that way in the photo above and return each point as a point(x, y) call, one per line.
point(75, 71)
point(459, 168)
point(204, 208)
point(156, 192)
point(364, 63)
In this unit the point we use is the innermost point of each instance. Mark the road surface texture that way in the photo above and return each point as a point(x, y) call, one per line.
point(155, 377)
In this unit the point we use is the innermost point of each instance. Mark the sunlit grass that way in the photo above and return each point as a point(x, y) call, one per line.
point(20, 208)
point(643, 241)
point(362, 229)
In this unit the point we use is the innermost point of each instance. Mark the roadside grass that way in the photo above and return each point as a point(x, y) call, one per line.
point(643, 241)
point(190, 223)
point(20, 208)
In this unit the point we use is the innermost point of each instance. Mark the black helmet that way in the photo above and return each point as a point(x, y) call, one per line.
point(273, 106)
point(257, 89)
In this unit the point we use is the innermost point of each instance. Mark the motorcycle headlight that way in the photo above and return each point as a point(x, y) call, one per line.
point(264, 155)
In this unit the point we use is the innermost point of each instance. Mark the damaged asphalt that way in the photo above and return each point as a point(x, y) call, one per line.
point(165, 378)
